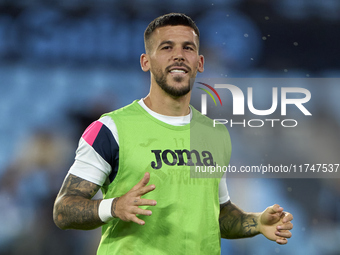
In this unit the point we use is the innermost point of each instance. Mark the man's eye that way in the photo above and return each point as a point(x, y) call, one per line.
point(166, 48)
point(188, 48)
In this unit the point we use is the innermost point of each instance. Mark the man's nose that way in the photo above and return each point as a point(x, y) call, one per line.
point(178, 55)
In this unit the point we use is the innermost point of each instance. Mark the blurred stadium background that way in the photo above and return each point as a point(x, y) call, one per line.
point(63, 63)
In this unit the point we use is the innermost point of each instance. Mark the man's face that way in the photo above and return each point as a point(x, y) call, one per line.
point(174, 59)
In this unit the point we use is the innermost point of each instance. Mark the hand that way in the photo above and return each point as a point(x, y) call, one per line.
point(126, 206)
point(275, 224)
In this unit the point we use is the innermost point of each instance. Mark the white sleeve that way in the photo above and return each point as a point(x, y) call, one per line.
point(89, 163)
point(223, 190)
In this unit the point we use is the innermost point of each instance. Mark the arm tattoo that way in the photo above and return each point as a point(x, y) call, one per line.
point(74, 208)
point(234, 223)
point(114, 203)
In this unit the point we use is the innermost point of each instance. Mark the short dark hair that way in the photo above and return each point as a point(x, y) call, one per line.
point(170, 19)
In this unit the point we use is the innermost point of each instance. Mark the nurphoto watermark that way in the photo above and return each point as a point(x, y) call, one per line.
point(278, 127)
point(279, 98)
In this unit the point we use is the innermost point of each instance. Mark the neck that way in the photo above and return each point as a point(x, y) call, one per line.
point(162, 103)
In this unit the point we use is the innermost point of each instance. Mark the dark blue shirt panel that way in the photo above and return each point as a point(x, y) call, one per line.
point(106, 146)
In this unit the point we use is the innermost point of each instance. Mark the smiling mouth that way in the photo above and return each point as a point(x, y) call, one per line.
point(178, 71)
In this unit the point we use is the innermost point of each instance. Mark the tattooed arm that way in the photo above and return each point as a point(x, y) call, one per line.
point(234, 223)
point(74, 208)
point(273, 223)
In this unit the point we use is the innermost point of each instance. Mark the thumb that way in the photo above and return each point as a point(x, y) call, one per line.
point(272, 214)
point(275, 209)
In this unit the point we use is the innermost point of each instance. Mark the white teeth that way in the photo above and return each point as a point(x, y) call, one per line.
point(177, 71)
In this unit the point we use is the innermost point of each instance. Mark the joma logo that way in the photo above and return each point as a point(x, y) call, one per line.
point(172, 158)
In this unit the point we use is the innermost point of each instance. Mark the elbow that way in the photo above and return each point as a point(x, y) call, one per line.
point(58, 222)
point(58, 217)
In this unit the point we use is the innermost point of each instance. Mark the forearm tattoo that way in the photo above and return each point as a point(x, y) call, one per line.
point(74, 208)
point(234, 223)
point(114, 203)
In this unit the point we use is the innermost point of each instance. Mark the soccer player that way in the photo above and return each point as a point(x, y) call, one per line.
point(148, 141)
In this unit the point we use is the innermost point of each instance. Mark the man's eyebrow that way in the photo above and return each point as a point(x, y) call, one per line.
point(165, 42)
point(172, 43)
point(190, 43)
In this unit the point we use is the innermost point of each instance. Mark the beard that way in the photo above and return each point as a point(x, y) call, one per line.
point(161, 80)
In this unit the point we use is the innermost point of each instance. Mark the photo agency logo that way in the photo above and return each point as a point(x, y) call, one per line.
point(204, 97)
point(243, 109)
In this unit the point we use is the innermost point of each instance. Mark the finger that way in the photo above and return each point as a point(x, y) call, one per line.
point(142, 191)
point(143, 182)
point(135, 219)
point(281, 240)
point(275, 209)
point(140, 211)
point(285, 226)
point(284, 233)
point(143, 201)
point(288, 217)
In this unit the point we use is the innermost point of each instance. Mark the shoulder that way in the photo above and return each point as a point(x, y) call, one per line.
point(123, 111)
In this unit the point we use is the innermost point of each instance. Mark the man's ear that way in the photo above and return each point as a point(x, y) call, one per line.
point(144, 62)
point(200, 64)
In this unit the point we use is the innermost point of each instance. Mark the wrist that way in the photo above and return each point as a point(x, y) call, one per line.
point(258, 227)
point(105, 210)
